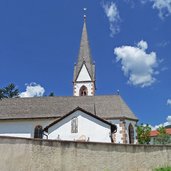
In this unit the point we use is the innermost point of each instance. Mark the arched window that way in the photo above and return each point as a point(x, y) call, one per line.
point(38, 132)
point(83, 91)
point(131, 134)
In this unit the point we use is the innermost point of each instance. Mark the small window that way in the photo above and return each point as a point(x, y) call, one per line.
point(83, 91)
point(74, 125)
point(38, 132)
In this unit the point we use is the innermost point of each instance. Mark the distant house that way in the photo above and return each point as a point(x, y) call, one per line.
point(154, 134)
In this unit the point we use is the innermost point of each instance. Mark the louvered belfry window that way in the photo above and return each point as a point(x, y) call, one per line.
point(74, 125)
point(83, 91)
point(131, 134)
point(38, 132)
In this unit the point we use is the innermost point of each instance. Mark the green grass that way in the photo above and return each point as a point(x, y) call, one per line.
point(163, 169)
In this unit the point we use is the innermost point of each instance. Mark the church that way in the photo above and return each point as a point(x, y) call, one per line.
point(81, 117)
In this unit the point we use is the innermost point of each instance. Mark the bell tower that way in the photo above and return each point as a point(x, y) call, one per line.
point(84, 69)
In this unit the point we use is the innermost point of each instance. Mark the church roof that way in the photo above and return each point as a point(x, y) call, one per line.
point(84, 56)
point(45, 107)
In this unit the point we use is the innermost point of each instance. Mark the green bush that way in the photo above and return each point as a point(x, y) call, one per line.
point(163, 169)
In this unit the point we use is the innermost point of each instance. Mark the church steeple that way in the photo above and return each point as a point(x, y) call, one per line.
point(84, 70)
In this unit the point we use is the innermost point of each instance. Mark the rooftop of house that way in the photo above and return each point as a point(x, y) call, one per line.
point(154, 133)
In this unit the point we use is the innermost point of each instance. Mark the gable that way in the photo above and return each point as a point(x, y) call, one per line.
point(75, 113)
point(84, 121)
point(83, 74)
point(80, 125)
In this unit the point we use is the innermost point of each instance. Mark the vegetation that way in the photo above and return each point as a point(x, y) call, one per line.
point(163, 169)
point(162, 137)
point(10, 91)
point(1, 94)
point(52, 94)
point(143, 133)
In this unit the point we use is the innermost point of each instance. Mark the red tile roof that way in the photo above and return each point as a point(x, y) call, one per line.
point(155, 132)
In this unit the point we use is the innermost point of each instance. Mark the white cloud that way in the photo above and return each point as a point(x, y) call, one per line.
point(112, 13)
point(168, 122)
point(156, 126)
point(142, 45)
point(33, 90)
point(137, 64)
point(169, 119)
point(169, 102)
point(164, 7)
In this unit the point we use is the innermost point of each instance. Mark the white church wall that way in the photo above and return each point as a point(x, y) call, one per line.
point(117, 134)
point(119, 130)
point(89, 85)
point(83, 75)
point(22, 128)
point(89, 129)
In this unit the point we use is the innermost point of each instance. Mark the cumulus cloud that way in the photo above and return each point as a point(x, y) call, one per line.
point(137, 64)
point(163, 6)
point(33, 90)
point(112, 14)
point(169, 102)
point(168, 122)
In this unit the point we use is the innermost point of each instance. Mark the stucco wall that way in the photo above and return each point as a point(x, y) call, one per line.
point(119, 134)
point(89, 85)
point(19, 154)
point(89, 129)
point(22, 128)
point(84, 75)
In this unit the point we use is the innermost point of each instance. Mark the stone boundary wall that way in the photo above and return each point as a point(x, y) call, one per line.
point(23, 154)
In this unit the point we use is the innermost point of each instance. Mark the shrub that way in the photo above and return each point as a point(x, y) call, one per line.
point(163, 169)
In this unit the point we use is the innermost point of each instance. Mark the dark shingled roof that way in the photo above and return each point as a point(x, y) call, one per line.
point(39, 107)
point(84, 56)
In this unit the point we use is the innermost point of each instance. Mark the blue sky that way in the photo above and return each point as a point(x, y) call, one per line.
point(130, 42)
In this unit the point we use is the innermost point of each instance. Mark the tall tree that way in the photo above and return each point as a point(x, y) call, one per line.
point(143, 133)
point(162, 137)
point(10, 91)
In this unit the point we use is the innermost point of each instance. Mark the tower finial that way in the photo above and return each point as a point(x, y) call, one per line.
point(85, 9)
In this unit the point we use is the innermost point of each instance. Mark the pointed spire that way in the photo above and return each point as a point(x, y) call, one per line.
point(84, 54)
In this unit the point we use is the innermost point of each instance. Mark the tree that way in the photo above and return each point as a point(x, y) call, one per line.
point(9, 91)
point(143, 133)
point(52, 94)
point(162, 137)
point(1, 94)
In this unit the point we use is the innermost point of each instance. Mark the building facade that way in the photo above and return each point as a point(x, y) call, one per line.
point(104, 118)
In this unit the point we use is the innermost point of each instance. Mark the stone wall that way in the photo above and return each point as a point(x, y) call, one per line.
point(21, 154)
